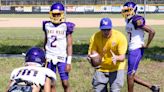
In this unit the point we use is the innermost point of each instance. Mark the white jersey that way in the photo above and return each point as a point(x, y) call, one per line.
point(135, 36)
point(56, 41)
point(32, 74)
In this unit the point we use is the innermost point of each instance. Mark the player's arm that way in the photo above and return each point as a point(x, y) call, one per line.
point(139, 22)
point(8, 86)
point(45, 34)
point(70, 29)
point(151, 33)
point(69, 52)
point(47, 85)
point(45, 40)
point(50, 80)
point(11, 79)
point(69, 47)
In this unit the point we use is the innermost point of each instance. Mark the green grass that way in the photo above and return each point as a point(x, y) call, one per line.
point(18, 40)
point(149, 16)
point(81, 74)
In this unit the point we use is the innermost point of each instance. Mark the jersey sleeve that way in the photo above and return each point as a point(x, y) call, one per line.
point(13, 74)
point(122, 46)
point(92, 44)
point(138, 21)
point(70, 27)
point(44, 25)
point(50, 73)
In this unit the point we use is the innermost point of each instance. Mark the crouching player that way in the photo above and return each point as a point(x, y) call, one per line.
point(33, 77)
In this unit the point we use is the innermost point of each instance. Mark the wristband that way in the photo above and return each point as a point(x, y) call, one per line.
point(69, 59)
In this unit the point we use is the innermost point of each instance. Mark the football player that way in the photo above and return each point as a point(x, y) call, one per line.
point(58, 43)
point(135, 28)
point(33, 77)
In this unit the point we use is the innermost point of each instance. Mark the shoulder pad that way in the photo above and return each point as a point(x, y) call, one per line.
point(70, 27)
point(138, 21)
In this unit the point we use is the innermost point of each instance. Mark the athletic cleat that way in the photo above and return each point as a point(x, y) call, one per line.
point(155, 88)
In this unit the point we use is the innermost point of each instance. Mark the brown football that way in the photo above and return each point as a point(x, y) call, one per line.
point(95, 59)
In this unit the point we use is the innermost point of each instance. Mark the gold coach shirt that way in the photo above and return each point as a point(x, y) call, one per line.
point(117, 43)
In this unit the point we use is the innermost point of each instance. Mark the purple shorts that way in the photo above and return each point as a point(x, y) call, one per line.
point(134, 58)
point(61, 69)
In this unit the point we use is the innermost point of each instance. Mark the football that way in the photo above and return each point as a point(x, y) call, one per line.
point(95, 59)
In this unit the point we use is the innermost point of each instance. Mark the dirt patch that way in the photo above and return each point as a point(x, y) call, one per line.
point(80, 22)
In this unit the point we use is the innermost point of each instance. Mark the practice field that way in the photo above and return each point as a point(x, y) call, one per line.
point(20, 32)
point(18, 40)
point(81, 74)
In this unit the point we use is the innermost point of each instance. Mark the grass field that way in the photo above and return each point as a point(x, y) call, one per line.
point(18, 40)
point(81, 74)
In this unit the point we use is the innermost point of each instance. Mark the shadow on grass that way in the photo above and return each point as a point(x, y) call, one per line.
point(17, 49)
point(155, 53)
point(80, 49)
point(13, 49)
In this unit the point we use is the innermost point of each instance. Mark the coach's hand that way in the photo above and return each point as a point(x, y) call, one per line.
point(68, 67)
point(114, 57)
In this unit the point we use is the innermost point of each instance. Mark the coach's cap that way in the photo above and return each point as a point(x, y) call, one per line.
point(105, 23)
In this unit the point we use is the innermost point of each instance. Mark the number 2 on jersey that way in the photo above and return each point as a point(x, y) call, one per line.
point(54, 38)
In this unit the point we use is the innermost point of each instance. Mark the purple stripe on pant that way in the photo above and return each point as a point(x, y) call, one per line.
point(134, 58)
point(61, 69)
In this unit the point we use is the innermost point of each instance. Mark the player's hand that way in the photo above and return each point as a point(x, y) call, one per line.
point(114, 57)
point(144, 46)
point(68, 67)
